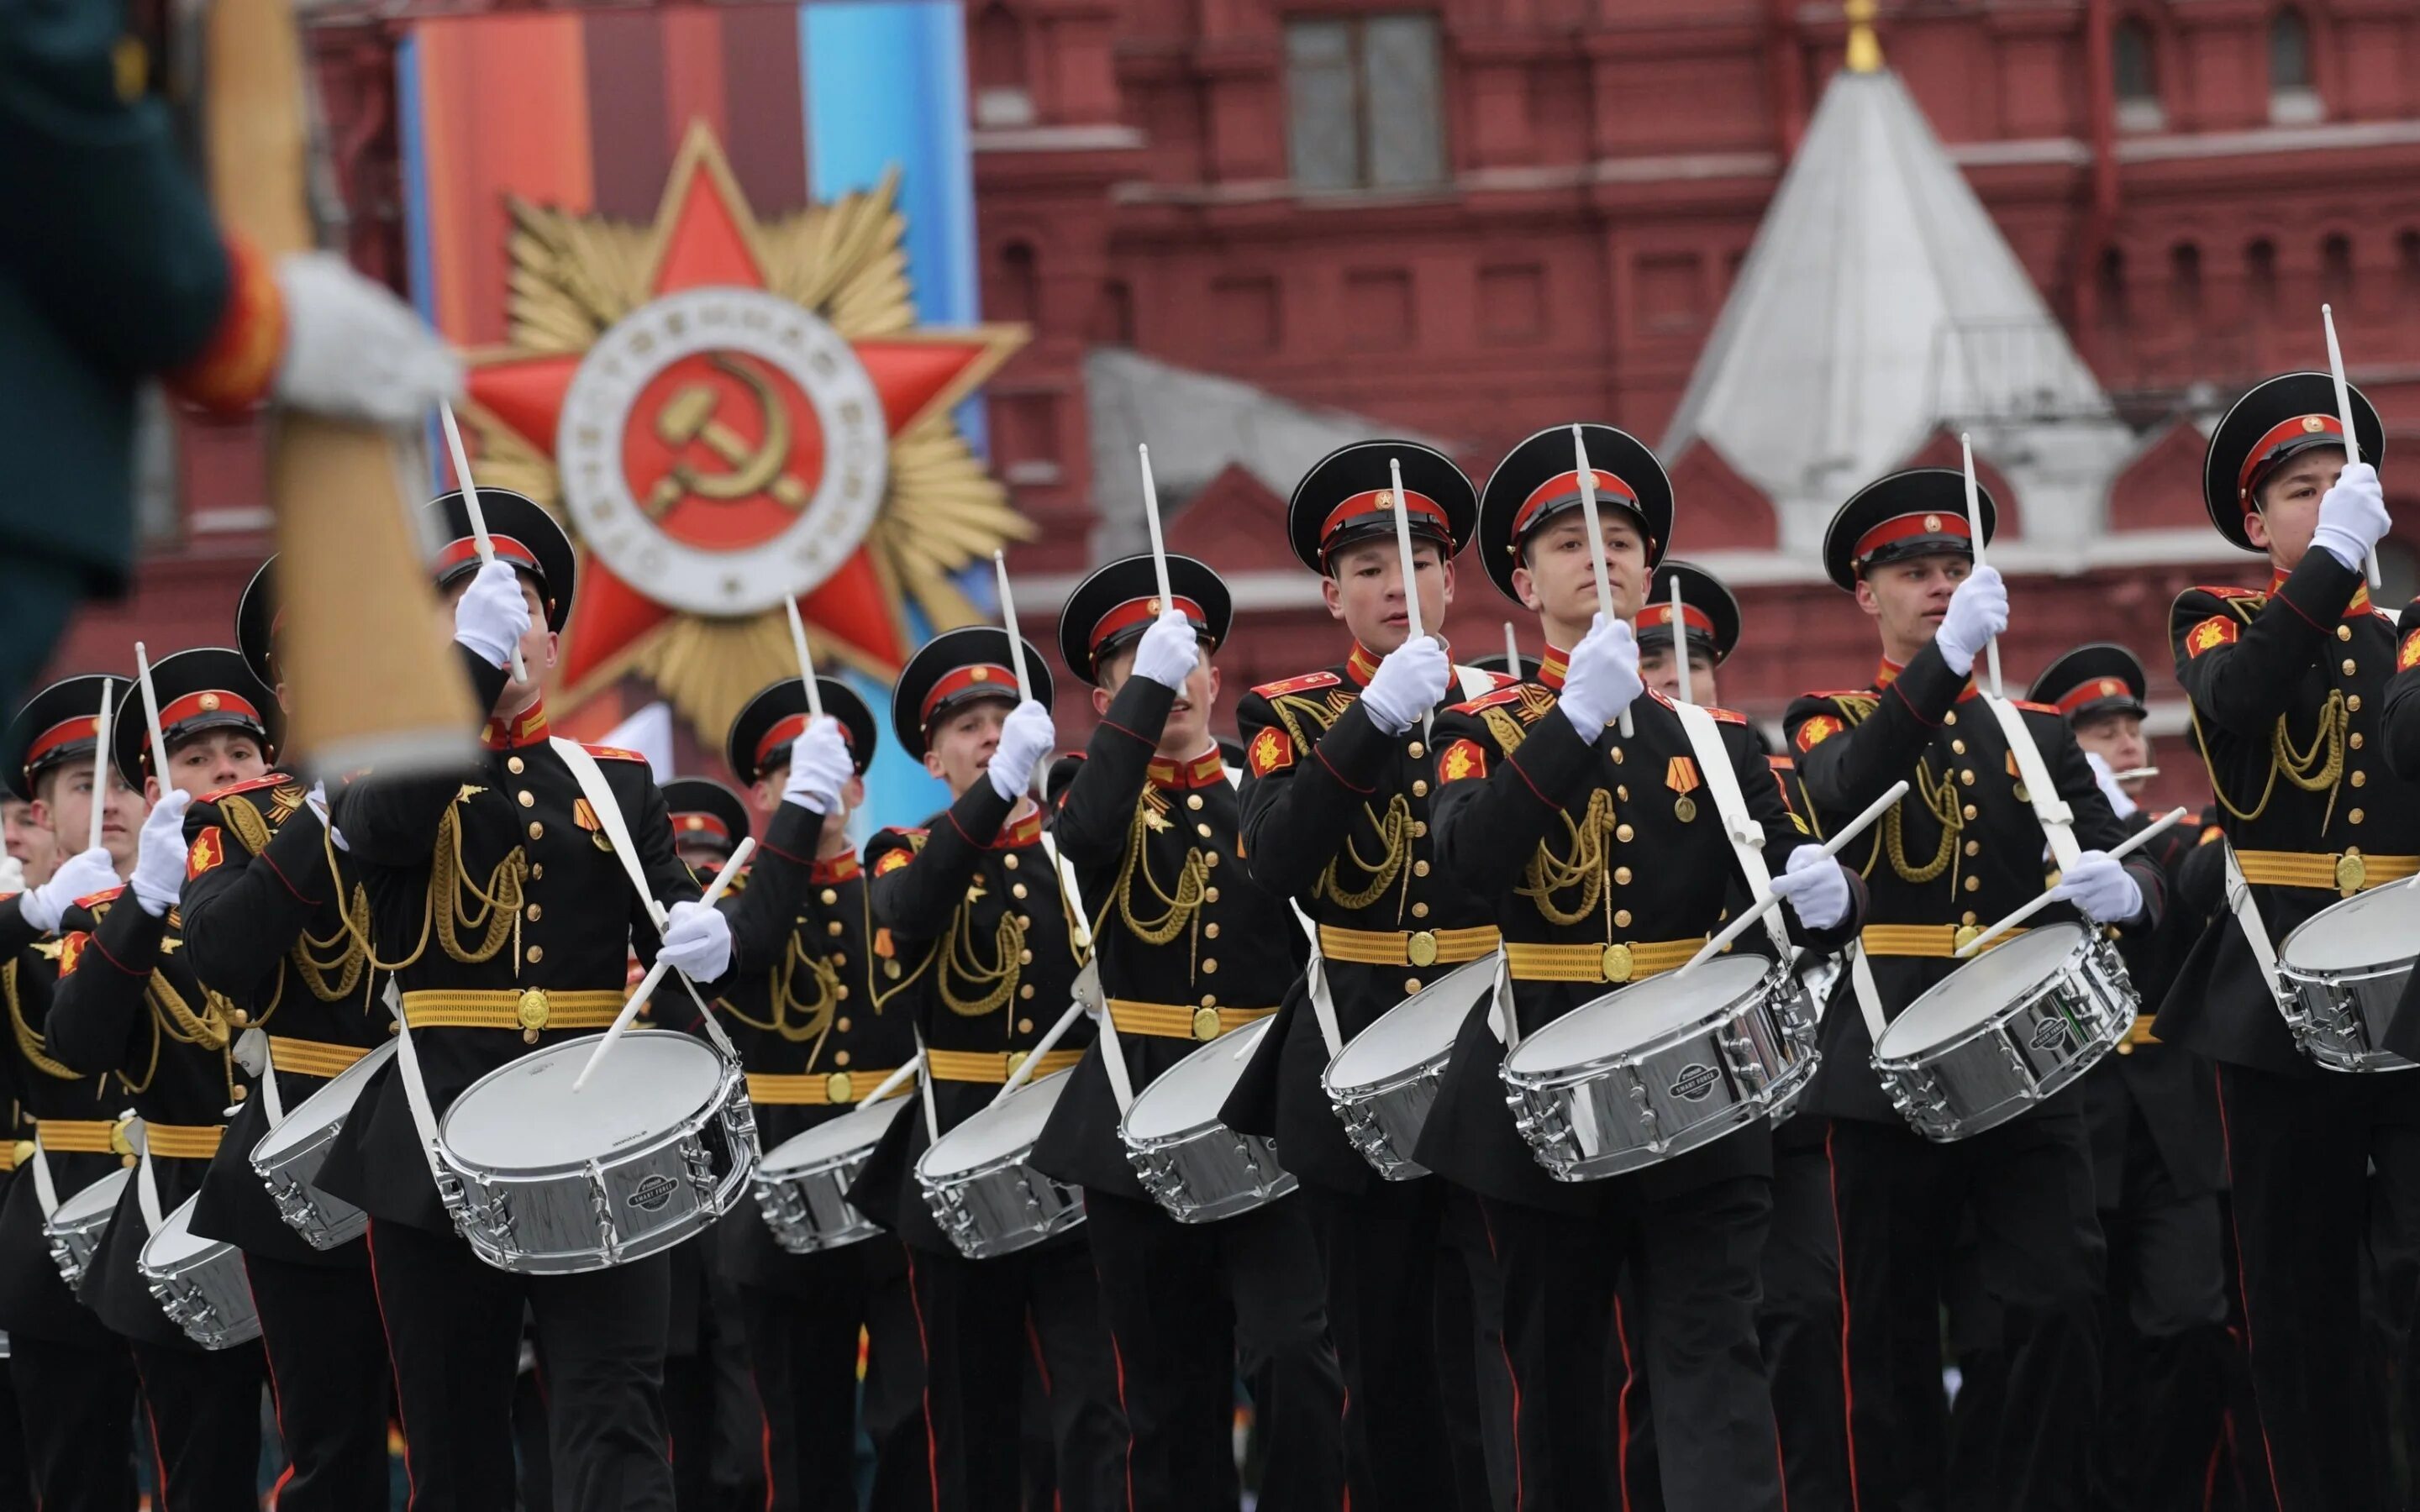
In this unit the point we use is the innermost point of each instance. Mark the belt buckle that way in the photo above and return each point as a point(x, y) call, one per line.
point(1421, 950)
point(2352, 873)
point(531, 1010)
point(1616, 962)
point(837, 1087)
point(1016, 1060)
point(1205, 1023)
point(1964, 936)
point(121, 1143)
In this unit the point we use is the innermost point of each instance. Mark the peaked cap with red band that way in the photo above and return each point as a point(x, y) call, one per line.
point(1349, 496)
point(1539, 480)
point(523, 533)
point(2278, 419)
point(57, 726)
point(206, 688)
point(2100, 678)
point(1119, 600)
point(952, 669)
point(1919, 513)
point(771, 722)
point(1710, 615)
point(705, 811)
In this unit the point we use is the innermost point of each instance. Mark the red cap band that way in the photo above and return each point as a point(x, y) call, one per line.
point(1908, 527)
point(2093, 690)
point(1427, 516)
point(65, 733)
point(1658, 616)
point(984, 676)
point(699, 824)
point(1138, 611)
point(2278, 435)
point(1564, 488)
point(785, 730)
point(211, 700)
point(467, 549)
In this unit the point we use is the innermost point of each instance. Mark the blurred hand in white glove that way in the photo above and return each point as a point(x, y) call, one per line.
point(1816, 887)
point(1169, 649)
point(1978, 611)
point(2352, 515)
point(2109, 788)
point(80, 875)
point(2101, 888)
point(1602, 678)
point(1025, 737)
point(819, 767)
point(355, 352)
point(492, 615)
point(160, 855)
point(697, 940)
point(1407, 684)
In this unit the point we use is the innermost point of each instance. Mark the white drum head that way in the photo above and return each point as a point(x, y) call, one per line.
point(327, 1106)
point(999, 1131)
point(860, 1128)
point(1979, 989)
point(95, 1201)
point(1189, 1094)
point(1639, 1014)
point(174, 1241)
point(525, 1115)
point(2369, 929)
point(1414, 1030)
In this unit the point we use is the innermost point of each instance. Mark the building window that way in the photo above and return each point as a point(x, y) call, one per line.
point(2112, 281)
point(2184, 280)
point(2260, 275)
point(2138, 83)
point(2292, 98)
point(2335, 267)
point(1365, 109)
point(2407, 251)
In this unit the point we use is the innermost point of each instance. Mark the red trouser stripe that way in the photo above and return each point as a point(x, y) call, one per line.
point(1848, 1387)
point(2242, 1285)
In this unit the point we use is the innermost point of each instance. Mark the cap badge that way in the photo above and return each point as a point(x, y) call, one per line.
point(210, 702)
point(2109, 687)
point(2313, 422)
point(979, 674)
point(1932, 523)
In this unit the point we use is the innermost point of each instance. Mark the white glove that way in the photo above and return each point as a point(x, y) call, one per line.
point(1025, 738)
point(160, 855)
point(1407, 685)
point(80, 875)
point(1602, 677)
point(1978, 611)
point(354, 350)
point(697, 940)
point(2101, 888)
point(819, 767)
point(2109, 788)
point(1169, 649)
point(1816, 887)
point(491, 615)
point(2352, 515)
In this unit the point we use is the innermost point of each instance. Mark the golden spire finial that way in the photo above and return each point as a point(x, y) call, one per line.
point(1865, 51)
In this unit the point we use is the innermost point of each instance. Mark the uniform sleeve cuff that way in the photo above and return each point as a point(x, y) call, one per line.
point(234, 370)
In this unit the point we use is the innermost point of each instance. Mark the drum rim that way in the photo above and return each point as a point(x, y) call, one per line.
point(1581, 1070)
point(302, 1117)
point(765, 1169)
point(1199, 1053)
point(2333, 976)
point(102, 1211)
point(690, 1124)
point(1406, 1076)
point(1017, 1157)
point(178, 1221)
point(2081, 948)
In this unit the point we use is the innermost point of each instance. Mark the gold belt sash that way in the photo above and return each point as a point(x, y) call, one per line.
point(1621, 962)
point(1421, 948)
point(1174, 1021)
point(528, 1009)
point(992, 1066)
point(1938, 941)
point(81, 1137)
point(183, 1141)
point(815, 1090)
point(2345, 874)
point(312, 1058)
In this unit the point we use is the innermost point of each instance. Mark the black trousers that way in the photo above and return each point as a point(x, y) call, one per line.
point(454, 1329)
point(1474, 1378)
point(802, 1347)
point(980, 1319)
point(1691, 1259)
point(2312, 1163)
point(1799, 1324)
point(75, 1403)
point(2027, 1186)
point(204, 1408)
point(1188, 1307)
point(329, 1381)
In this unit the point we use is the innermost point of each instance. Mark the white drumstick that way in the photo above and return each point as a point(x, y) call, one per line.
point(1974, 529)
point(1151, 519)
point(1680, 643)
point(2344, 414)
point(2134, 843)
point(1511, 652)
point(714, 890)
point(806, 659)
point(1008, 622)
point(1771, 901)
point(1404, 553)
point(100, 763)
point(1025, 1070)
point(1596, 539)
point(152, 717)
point(478, 517)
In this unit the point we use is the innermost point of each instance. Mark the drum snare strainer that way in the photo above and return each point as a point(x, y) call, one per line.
point(802, 1186)
point(2342, 975)
point(983, 1194)
point(1197, 1168)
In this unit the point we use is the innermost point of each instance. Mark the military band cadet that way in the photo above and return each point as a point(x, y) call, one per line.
point(976, 938)
point(499, 905)
point(1337, 798)
point(129, 1002)
point(75, 1379)
point(1189, 949)
point(1607, 863)
point(263, 909)
point(1959, 851)
point(2287, 683)
point(1703, 632)
point(2153, 1124)
point(813, 1031)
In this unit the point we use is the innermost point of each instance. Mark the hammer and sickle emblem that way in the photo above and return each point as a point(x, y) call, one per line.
point(689, 416)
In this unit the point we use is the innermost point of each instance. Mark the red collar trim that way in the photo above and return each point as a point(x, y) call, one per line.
point(1025, 831)
point(1361, 666)
point(1552, 667)
point(528, 730)
point(840, 868)
point(1202, 771)
point(1887, 674)
point(2358, 609)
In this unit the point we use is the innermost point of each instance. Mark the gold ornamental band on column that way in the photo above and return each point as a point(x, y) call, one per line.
point(1421, 948)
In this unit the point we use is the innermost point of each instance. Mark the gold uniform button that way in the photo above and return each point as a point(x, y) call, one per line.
point(1622, 875)
point(1967, 918)
point(838, 1088)
point(1622, 833)
point(537, 872)
point(1025, 992)
point(1958, 747)
point(536, 954)
point(2349, 668)
point(240, 1093)
point(1024, 922)
point(513, 765)
point(1420, 829)
point(1969, 810)
point(2354, 740)
point(1622, 917)
point(1202, 830)
point(1950, 717)
point(2352, 702)
point(1419, 910)
point(891, 970)
point(842, 1025)
point(1205, 1023)
point(841, 1059)
point(1209, 1000)
point(1419, 869)
point(2360, 779)
point(2344, 632)
point(2353, 818)
point(1193, 801)
point(1016, 889)
point(839, 958)
point(1420, 948)
point(1210, 931)
point(1974, 883)
point(528, 799)
point(841, 991)
point(534, 913)
point(1209, 967)
point(239, 1018)
point(1025, 1025)
point(1966, 776)
point(1009, 861)
point(1025, 958)
point(1616, 962)
point(1210, 858)
point(1415, 750)
point(832, 927)
point(1419, 787)
point(1209, 895)
point(829, 896)
point(1411, 985)
point(1617, 755)
point(1974, 847)
point(536, 830)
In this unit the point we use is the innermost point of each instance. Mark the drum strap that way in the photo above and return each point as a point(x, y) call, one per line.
point(146, 1184)
point(1869, 997)
point(46, 1186)
point(252, 1053)
point(2057, 819)
point(924, 1082)
point(1087, 992)
point(2246, 910)
point(1731, 806)
point(415, 1091)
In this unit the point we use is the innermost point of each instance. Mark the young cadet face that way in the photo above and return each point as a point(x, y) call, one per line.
point(34, 848)
point(1557, 580)
point(959, 746)
point(1364, 589)
point(1661, 670)
point(539, 644)
point(2289, 506)
point(1188, 731)
point(2119, 739)
point(205, 762)
point(768, 790)
point(63, 805)
point(1908, 598)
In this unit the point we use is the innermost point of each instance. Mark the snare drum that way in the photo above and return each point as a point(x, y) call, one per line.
point(200, 1282)
point(289, 1155)
point(983, 1194)
point(544, 1181)
point(2006, 1031)
point(802, 1186)
point(1197, 1168)
point(1660, 1067)
point(76, 1229)
point(1383, 1083)
point(2343, 974)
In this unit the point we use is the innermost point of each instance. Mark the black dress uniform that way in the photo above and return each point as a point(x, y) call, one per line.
point(495, 899)
point(1190, 950)
point(1335, 818)
point(1959, 851)
point(2288, 685)
point(129, 1001)
point(75, 1379)
point(274, 922)
point(1607, 866)
point(817, 1038)
point(976, 942)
